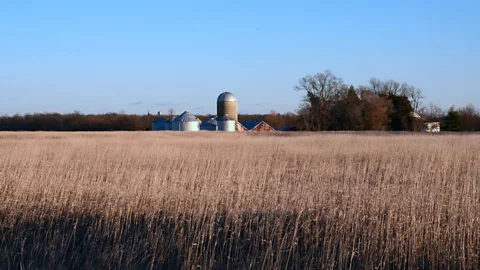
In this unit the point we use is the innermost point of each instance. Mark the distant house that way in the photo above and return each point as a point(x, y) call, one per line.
point(256, 126)
point(417, 121)
point(415, 115)
point(433, 127)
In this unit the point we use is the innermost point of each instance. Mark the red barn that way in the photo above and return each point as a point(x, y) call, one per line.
point(257, 126)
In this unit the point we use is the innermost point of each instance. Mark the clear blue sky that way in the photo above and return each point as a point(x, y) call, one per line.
point(138, 56)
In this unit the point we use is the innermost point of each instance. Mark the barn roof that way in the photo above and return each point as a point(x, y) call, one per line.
point(249, 125)
point(160, 120)
point(415, 115)
point(240, 127)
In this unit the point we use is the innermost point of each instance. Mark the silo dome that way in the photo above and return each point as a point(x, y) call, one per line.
point(212, 121)
point(188, 122)
point(226, 96)
point(227, 104)
point(187, 117)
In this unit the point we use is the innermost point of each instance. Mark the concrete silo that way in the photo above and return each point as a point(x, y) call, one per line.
point(210, 125)
point(227, 104)
point(227, 123)
point(188, 122)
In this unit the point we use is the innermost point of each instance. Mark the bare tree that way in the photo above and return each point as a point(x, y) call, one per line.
point(391, 87)
point(275, 120)
point(387, 87)
point(415, 95)
point(325, 86)
point(432, 112)
point(322, 91)
point(374, 110)
point(375, 85)
point(470, 118)
point(171, 112)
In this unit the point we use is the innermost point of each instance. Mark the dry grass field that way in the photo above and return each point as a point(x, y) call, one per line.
point(146, 200)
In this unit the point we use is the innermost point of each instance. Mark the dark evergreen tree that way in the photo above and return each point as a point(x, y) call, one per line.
point(346, 114)
point(400, 113)
point(451, 122)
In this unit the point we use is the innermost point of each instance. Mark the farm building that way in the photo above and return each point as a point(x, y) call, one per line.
point(415, 115)
point(226, 119)
point(240, 127)
point(210, 125)
point(226, 123)
point(186, 122)
point(227, 104)
point(257, 126)
point(433, 127)
point(159, 124)
point(169, 123)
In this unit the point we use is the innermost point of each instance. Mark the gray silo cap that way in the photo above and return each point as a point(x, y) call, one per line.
point(226, 96)
point(226, 118)
point(187, 117)
point(212, 121)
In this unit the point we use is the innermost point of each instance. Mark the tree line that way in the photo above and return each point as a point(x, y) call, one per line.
point(330, 104)
point(73, 122)
point(114, 121)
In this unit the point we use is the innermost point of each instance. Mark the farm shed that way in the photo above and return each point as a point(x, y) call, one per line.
point(257, 126)
point(169, 124)
point(159, 124)
point(211, 124)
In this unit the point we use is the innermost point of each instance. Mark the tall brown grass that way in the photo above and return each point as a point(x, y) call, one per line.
point(172, 200)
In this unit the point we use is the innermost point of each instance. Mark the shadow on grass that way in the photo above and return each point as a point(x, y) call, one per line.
point(166, 241)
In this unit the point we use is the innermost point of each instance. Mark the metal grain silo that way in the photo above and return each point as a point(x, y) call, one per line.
point(188, 122)
point(174, 125)
point(226, 123)
point(227, 104)
point(210, 125)
point(168, 124)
